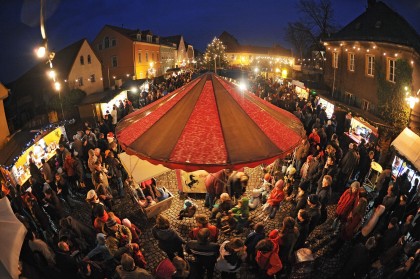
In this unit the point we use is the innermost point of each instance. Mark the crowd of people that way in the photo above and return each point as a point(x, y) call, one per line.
point(378, 228)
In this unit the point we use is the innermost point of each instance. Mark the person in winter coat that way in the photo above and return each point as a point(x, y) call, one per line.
point(347, 202)
point(205, 252)
point(275, 198)
point(128, 270)
point(354, 220)
point(301, 153)
point(169, 240)
point(324, 194)
point(289, 234)
point(347, 166)
point(232, 254)
point(302, 223)
point(135, 231)
point(215, 185)
point(300, 199)
point(251, 241)
point(237, 184)
point(313, 208)
point(267, 259)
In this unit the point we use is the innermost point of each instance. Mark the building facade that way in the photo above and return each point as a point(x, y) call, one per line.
point(4, 128)
point(367, 50)
point(249, 56)
point(184, 54)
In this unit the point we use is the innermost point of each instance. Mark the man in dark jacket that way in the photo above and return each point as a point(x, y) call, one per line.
point(324, 195)
point(302, 222)
point(359, 262)
point(314, 211)
point(205, 253)
point(251, 241)
point(347, 166)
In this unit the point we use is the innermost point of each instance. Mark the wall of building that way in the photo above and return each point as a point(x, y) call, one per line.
point(90, 73)
point(123, 51)
point(4, 129)
point(167, 57)
point(150, 58)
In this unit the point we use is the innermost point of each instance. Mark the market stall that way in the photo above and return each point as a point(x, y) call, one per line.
point(327, 104)
point(94, 106)
point(407, 159)
point(361, 129)
point(300, 89)
point(42, 146)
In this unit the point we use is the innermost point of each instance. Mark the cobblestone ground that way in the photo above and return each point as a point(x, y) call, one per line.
point(319, 239)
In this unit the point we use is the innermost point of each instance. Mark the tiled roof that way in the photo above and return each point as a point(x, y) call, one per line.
point(379, 23)
point(132, 33)
point(176, 39)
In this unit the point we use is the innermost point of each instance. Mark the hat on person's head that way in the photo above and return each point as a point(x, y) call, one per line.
point(313, 199)
point(291, 170)
point(107, 152)
point(267, 177)
point(273, 234)
point(127, 262)
point(91, 194)
point(100, 237)
point(304, 185)
point(126, 222)
point(110, 223)
point(75, 153)
point(60, 170)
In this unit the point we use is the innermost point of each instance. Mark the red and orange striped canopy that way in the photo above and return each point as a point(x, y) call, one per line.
point(210, 124)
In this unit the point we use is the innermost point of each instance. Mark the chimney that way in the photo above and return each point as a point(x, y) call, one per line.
point(371, 3)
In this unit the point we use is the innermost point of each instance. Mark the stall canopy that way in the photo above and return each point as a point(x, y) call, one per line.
point(12, 234)
point(140, 170)
point(407, 145)
point(210, 124)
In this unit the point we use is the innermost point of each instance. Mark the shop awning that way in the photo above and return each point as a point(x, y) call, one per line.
point(141, 170)
point(407, 144)
point(15, 146)
point(100, 97)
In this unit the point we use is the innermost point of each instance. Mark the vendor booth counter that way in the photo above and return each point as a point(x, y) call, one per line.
point(360, 129)
point(43, 145)
point(141, 171)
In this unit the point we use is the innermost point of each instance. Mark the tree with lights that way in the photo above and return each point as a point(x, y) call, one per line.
point(215, 56)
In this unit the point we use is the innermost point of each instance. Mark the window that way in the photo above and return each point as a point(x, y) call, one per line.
point(138, 36)
point(114, 62)
point(157, 40)
point(157, 57)
point(153, 56)
point(82, 60)
point(391, 70)
point(335, 60)
point(89, 59)
point(113, 42)
point(92, 78)
point(348, 98)
point(370, 65)
point(365, 105)
point(149, 38)
point(147, 57)
point(351, 62)
point(139, 57)
point(80, 81)
point(106, 42)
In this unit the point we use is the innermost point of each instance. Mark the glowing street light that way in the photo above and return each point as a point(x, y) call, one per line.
point(412, 101)
point(133, 89)
point(41, 51)
point(52, 74)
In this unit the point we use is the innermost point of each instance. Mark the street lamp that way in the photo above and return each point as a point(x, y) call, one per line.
point(57, 87)
point(411, 101)
point(215, 61)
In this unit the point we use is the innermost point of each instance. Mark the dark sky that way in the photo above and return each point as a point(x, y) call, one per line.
point(258, 22)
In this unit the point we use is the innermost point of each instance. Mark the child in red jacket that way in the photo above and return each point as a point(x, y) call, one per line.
point(275, 198)
point(267, 259)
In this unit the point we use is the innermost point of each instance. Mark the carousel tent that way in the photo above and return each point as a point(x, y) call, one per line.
point(210, 124)
point(12, 234)
point(407, 145)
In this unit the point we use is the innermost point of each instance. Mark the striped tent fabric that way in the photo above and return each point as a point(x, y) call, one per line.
point(210, 124)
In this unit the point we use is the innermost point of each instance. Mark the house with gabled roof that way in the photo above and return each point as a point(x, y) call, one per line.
point(184, 51)
point(128, 54)
point(363, 56)
point(76, 67)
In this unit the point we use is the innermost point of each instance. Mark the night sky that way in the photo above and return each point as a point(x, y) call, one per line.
point(258, 22)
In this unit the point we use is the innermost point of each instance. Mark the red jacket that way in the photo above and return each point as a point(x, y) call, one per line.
point(347, 202)
point(276, 197)
point(214, 232)
point(215, 182)
point(68, 167)
point(314, 139)
point(269, 261)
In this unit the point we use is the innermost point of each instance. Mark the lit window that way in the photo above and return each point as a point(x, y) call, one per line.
point(335, 60)
point(92, 78)
point(147, 57)
point(351, 62)
point(89, 59)
point(80, 81)
point(82, 60)
point(139, 57)
point(391, 69)
point(114, 62)
point(370, 65)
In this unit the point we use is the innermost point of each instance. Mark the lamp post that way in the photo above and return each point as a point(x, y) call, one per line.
point(215, 62)
point(411, 101)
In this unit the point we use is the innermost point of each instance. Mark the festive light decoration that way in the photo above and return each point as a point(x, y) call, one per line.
point(215, 54)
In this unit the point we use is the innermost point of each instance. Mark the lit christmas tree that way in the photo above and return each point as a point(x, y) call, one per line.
point(215, 56)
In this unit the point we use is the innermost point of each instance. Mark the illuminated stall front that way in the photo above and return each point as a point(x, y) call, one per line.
point(361, 129)
point(300, 89)
point(15, 168)
point(328, 105)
